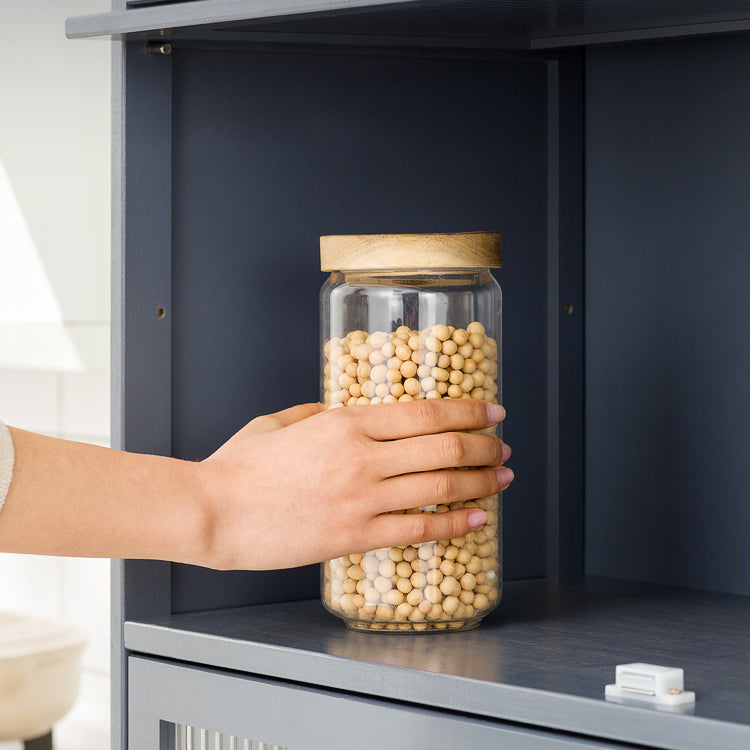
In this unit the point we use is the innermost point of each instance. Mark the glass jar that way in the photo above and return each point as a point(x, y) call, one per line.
point(406, 317)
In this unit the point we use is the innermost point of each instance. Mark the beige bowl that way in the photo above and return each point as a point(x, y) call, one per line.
point(40, 667)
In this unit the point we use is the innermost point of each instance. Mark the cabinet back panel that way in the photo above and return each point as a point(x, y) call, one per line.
point(272, 150)
point(667, 314)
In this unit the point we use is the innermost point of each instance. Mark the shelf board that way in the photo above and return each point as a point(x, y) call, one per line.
point(542, 658)
point(523, 24)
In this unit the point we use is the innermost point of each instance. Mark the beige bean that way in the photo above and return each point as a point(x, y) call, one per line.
point(460, 336)
point(481, 602)
point(447, 568)
point(441, 332)
point(376, 357)
point(384, 612)
point(379, 374)
point(455, 391)
point(408, 369)
point(403, 610)
point(411, 386)
point(396, 554)
point(433, 344)
point(403, 585)
point(382, 390)
point(416, 616)
point(387, 567)
point(449, 586)
point(418, 580)
point(451, 552)
point(410, 553)
point(489, 563)
point(346, 601)
point(435, 612)
point(457, 362)
point(468, 581)
point(361, 352)
point(355, 572)
point(476, 340)
point(428, 384)
point(414, 597)
point(383, 584)
point(433, 593)
point(394, 597)
point(403, 352)
point(466, 597)
point(434, 577)
point(450, 605)
point(450, 347)
point(466, 350)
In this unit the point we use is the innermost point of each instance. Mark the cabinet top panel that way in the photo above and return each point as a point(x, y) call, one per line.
point(542, 658)
point(522, 24)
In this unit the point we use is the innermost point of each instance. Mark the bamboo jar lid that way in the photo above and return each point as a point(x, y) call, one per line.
point(371, 252)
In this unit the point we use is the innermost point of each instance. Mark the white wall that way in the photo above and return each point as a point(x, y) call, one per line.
point(54, 288)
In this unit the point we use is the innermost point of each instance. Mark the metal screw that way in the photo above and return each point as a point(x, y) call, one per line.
point(159, 48)
point(568, 309)
point(675, 691)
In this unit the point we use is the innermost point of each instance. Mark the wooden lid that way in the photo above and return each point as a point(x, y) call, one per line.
point(370, 252)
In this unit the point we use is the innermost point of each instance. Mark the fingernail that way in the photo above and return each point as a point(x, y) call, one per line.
point(506, 452)
point(495, 413)
point(505, 476)
point(477, 518)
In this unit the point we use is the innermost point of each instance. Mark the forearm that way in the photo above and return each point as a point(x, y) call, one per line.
point(75, 499)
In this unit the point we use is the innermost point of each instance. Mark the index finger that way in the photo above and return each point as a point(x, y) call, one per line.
point(427, 417)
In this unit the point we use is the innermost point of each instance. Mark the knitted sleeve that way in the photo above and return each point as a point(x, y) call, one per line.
point(6, 461)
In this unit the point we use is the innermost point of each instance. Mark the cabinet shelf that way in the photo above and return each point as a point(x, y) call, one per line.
point(542, 658)
point(532, 24)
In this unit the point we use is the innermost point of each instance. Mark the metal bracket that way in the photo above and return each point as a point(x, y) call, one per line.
point(159, 48)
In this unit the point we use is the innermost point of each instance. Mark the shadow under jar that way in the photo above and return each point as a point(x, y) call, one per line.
point(408, 317)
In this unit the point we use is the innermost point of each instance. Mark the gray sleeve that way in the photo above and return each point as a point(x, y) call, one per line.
point(6, 461)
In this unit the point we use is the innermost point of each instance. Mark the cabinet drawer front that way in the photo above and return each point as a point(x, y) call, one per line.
point(163, 694)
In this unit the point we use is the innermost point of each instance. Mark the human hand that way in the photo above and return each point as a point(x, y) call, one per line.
point(305, 485)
